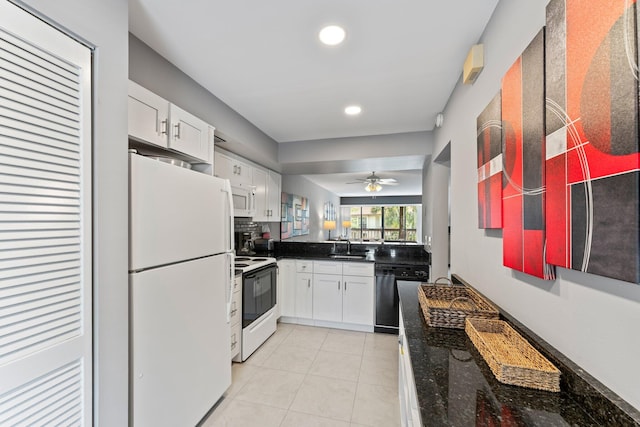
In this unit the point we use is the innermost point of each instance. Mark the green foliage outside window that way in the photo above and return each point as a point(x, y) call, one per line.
point(389, 223)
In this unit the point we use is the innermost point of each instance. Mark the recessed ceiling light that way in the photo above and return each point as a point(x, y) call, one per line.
point(353, 110)
point(332, 35)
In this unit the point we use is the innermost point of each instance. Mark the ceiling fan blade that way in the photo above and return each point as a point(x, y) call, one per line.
point(387, 181)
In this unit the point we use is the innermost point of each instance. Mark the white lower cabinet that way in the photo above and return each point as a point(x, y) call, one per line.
point(409, 412)
point(343, 292)
point(286, 290)
point(327, 297)
point(295, 291)
point(304, 295)
point(327, 293)
point(358, 300)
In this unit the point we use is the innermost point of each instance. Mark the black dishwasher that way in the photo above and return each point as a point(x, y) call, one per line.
point(387, 301)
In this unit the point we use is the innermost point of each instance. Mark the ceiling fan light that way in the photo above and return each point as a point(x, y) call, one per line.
point(373, 186)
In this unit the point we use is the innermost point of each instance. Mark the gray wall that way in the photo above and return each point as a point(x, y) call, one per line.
point(105, 25)
point(591, 319)
point(435, 201)
point(152, 71)
point(296, 184)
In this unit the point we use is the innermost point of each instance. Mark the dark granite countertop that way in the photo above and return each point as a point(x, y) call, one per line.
point(455, 387)
point(388, 254)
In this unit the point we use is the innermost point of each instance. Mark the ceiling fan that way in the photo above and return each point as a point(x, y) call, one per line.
point(374, 182)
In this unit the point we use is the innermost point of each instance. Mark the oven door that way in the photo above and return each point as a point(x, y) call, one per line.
point(258, 293)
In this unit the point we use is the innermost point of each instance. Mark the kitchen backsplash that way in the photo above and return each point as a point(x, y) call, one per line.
point(246, 225)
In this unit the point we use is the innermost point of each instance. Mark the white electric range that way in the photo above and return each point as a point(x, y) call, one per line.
point(259, 284)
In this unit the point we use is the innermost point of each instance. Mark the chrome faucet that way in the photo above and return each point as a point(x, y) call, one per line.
point(348, 246)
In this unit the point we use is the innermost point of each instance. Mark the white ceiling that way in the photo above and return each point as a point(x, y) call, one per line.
point(408, 183)
point(400, 61)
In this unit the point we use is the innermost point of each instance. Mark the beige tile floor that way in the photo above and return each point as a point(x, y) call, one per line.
point(314, 377)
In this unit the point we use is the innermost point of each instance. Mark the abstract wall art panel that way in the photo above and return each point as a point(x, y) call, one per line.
point(489, 131)
point(294, 216)
point(592, 159)
point(523, 151)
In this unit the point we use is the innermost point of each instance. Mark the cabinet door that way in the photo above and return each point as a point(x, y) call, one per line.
point(259, 180)
point(243, 173)
point(148, 116)
point(223, 166)
point(236, 171)
point(304, 295)
point(327, 297)
point(274, 185)
point(287, 288)
point(189, 134)
point(358, 300)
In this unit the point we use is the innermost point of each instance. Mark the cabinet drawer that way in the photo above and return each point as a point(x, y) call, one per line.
point(327, 267)
point(303, 266)
point(236, 308)
point(357, 269)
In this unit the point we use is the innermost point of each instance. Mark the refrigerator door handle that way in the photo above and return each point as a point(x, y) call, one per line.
point(227, 190)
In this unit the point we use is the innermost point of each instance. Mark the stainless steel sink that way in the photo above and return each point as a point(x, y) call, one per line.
point(347, 256)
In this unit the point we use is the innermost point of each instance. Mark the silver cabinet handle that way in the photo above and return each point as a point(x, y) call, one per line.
point(239, 170)
point(163, 125)
point(345, 286)
point(308, 283)
point(177, 131)
point(338, 284)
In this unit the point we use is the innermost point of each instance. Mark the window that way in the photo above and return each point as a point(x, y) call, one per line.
point(389, 223)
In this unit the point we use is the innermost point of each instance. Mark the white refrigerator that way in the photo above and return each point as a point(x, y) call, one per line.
point(180, 281)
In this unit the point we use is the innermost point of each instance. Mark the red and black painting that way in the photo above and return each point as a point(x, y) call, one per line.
point(489, 131)
point(523, 150)
point(592, 159)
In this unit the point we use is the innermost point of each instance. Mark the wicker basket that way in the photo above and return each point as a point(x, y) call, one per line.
point(448, 306)
point(510, 357)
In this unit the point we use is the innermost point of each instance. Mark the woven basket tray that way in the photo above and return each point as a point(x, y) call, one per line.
point(448, 306)
point(510, 357)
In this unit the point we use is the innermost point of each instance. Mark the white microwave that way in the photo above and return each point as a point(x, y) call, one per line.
point(244, 201)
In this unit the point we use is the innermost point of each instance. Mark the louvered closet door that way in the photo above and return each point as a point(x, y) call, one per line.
point(45, 224)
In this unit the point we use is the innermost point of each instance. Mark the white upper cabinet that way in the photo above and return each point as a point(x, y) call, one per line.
point(148, 116)
point(274, 190)
point(267, 184)
point(154, 120)
point(238, 172)
point(189, 134)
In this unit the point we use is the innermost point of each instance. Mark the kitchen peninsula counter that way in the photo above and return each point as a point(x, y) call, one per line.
point(456, 388)
point(387, 253)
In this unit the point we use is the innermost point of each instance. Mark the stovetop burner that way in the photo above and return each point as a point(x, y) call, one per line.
point(242, 265)
point(243, 259)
